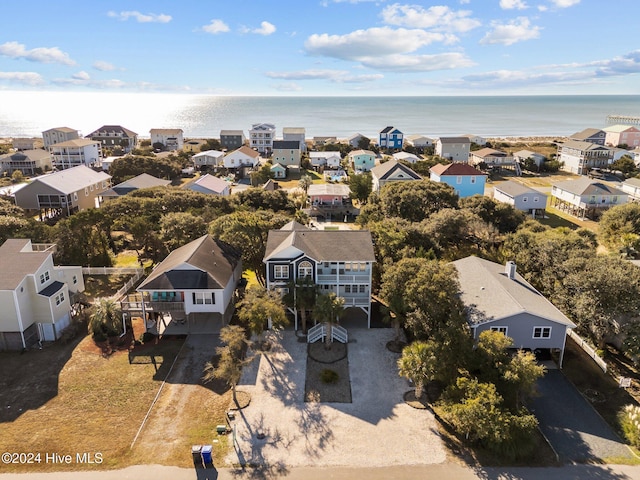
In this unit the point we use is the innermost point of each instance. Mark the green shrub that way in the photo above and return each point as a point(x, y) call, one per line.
point(629, 418)
point(329, 376)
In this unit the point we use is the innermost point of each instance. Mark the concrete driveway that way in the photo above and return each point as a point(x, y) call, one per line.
point(575, 430)
point(377, 429)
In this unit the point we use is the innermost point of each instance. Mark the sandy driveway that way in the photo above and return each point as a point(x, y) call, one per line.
point(377, 429)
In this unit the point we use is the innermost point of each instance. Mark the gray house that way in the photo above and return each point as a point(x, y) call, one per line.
point(521, 197)
point(453, 148)
point(497, 298)
point(232, 139)
point(591, 135)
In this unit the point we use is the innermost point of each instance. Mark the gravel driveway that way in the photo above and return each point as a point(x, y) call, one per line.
point(376, 429)
point(574, 429)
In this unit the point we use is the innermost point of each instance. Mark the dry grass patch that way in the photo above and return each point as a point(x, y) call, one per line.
point(96, 404)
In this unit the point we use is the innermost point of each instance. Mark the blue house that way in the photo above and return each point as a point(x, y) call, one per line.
point(391, 137)
point(465, 179)
point(362, 160)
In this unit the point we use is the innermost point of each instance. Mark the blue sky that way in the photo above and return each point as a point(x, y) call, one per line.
point(323, 47)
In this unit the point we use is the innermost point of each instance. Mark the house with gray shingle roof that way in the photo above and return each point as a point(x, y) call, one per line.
point(497, 298)
point(29, 162)
point(232, 139)
point(585, 197)
point(190, 291)
point(580, 157)
point(521, 197)
point(591, 135)
point(339, 261)
point(211, 185)
point(144, 180)
point(453, 148)
point(391, 171)
point(631, 186)
point(35, 294)
point(111, 136)
point(64, 192)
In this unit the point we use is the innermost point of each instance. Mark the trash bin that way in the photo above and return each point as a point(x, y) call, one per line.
point(221, 429)
point(206, 454)
point(196, 453)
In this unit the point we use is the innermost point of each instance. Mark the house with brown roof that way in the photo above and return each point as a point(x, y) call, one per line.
point(465, 179)
point(338, 261)
point(391, 171)
point(491, 158)
point(112, 136)
point(36, 295)
point(190, 291)
point(241, 158)
point(585, 197)
point(499, 299)
point(64, 192)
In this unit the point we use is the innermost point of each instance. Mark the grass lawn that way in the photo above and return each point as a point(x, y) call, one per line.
point(68, 399)
point(294, 177)
point(99, 286)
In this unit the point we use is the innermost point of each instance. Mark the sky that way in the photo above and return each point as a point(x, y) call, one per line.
point(323, 47)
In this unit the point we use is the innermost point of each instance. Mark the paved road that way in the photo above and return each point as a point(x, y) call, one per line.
point(444, 471)
point(576, 431)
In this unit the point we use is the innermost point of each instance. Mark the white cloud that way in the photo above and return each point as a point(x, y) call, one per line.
point(81, 75)
point(565, 3)
point(336, 76)
point(141, 17)
point(266, 28)
point(40, 55)
point(516, 30)
point(22, 78)
point(287, 87)
point(513, 4)
point(103, 66)
point(436, 17)
point(418, 63)
point(624, 65)
point(216, 26)
point(372, 42)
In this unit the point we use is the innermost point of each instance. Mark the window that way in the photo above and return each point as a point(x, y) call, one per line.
point(502, 330)
point(75, 196)
point(614, 199)
point(281, 272)
point(541, 332)
point(473, 180)
point(204, 298)
point(305, 269)
point(458, 179)
point(525, 199)
point(59, 298)
point(75, 279)
point(347, 289)
point(536, 199)
point(91, 187)
point(362, 288)
point(44, 277)
point(86, 192)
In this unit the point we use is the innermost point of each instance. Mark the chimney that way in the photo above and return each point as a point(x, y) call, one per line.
point(510, 269)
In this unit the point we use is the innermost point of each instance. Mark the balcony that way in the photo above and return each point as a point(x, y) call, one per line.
point(344, 279)
point(152, 303)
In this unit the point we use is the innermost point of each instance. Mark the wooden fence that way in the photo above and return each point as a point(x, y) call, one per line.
point(589, 350)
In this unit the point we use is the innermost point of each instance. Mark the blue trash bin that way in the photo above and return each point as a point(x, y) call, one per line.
point(206, 454)
point(196, 453)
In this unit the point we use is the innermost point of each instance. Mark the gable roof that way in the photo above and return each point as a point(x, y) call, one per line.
point(620, 128)
point(112, 129)
point(144, 180)
point(17, 260)
point(62, 129)
point(72, 179)
point(31, 155)
point(337, 189)
point(634, 182)
point(586, 133)
point(286, 144)
point(489, 152)
point(454, 140)
point(513, 189)
point(211, 182)
point(489, 294)
point(249, 152)
point(293, 225)
point(386, 169)
point(586, 186)
point(232, 132)
point(166, 131)
point(353, 153)
point(78, 142)
point(209, 153)
point(323, 245)
point(456, 168)
point(579, 145)
point(212, 265)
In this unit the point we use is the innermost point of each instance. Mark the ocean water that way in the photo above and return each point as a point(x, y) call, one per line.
point(25, 114)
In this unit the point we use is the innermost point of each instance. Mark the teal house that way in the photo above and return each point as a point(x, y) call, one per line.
point(362, 160)
point(465, 179)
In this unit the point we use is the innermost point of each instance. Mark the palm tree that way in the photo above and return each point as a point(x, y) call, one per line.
point(305, 182)
point(328, 309)
point(105, 318)
point(418, 363)
point(302, 296)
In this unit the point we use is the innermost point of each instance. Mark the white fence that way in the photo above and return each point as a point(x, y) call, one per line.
point(319, 332)
point(588, 349)
point(136, 272)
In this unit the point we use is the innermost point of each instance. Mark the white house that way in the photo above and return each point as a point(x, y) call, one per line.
point(35, 294)
point(521, 197)
point(419, 141)
point(631, 186)
point(171, 138)
point(209, 158)
point(261, 136)
point(211, 185)
point(521, 156)
point(241, 157)
point(330, 160)
point(580, 157)
point(585, 197)
point(406, 156)
point(72, 153)
point(191, 291)
point(391, 171)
